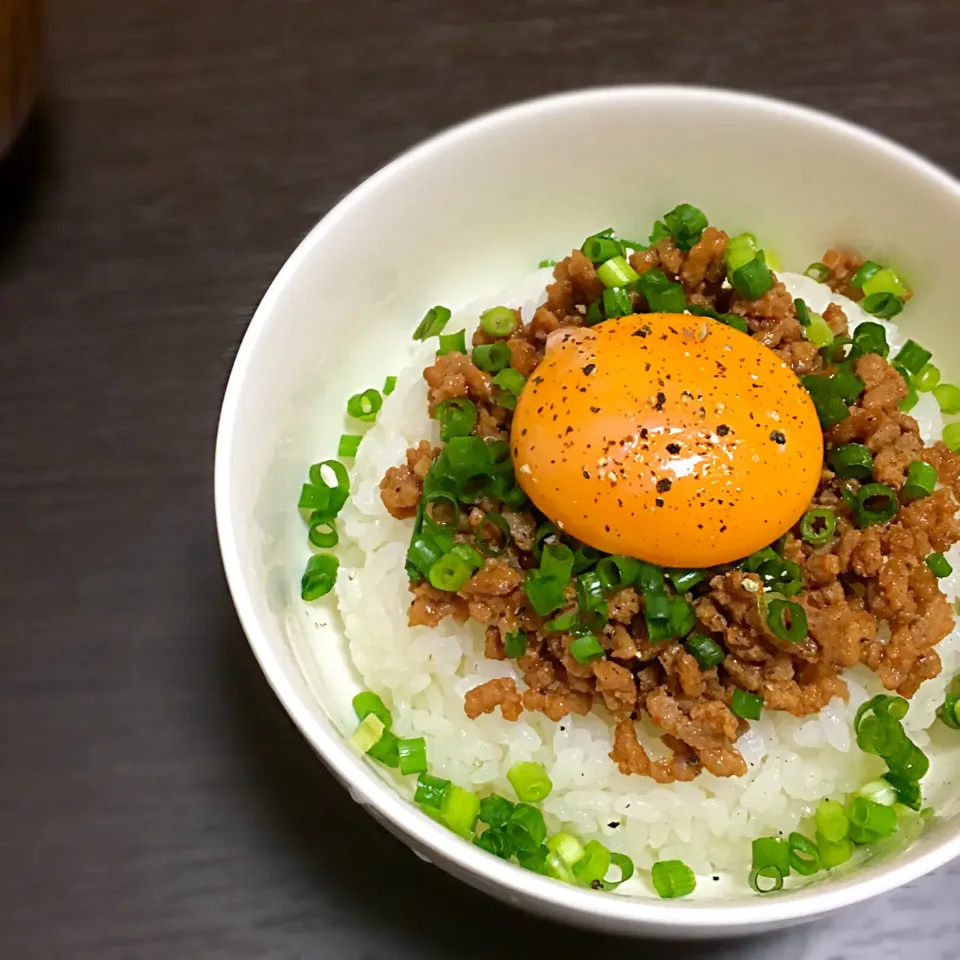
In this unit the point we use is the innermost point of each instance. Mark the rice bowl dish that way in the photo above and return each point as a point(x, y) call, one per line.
point(708, 822)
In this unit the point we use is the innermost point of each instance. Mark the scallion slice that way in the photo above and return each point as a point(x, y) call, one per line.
point(510, 380)
point(491, 357)
point(818, 331)
point(817, 271)
point(616, 272)
point(948, 397)
point(705, 650)
point(544, 593)
point(498, 321)
point(319, 577)
point(616, 571)
point(883, 305)
point(912, 356)
point(831, 821)
point(852, 460)
point(766, 879)
point(457, 416)
point(884, 281)
point(368, 733)
point(547, 263)
point(684, 580)
point(772, 852)
point(752, 280)
point(787, 620)
point(661, 294)
point(686, 223)
point(927, 378)
point(672, 879)
point(616, 302)
point(452, 343)
point(746, 705)
point(741, 249)
point(863, 273)
point(557, 561)
point(682, 616)
point(874, 820)
point(592, 867)
point(599, 249)
point(586, 649)
point(920, 482)
point(433, 322)
point(804, 855)
point(450, 572)
point(459, 810)
point(876, 503)
point(530, 781)
point(431, 791)
point(940, 565)
point(515, 644)
point(322, 532)
point(818, 526)
point(348, 446)
point(871, 337)
point(803, 312)
point(365, 406)
point(486, 534)
point(413, 755)
point(951, 436)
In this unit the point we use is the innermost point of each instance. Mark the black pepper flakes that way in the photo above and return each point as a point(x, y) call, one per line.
point(589, 368)
point(659, 501)
point(673, 448)
point(777, 437)
point(722, 430)
point(664, 485)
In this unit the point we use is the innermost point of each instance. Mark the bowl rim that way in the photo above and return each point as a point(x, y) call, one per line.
point(503, 878)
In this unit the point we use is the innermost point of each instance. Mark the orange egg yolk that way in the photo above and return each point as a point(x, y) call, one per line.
point(672, 438)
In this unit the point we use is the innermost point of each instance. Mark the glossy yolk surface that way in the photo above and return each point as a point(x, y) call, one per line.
point(671, 438)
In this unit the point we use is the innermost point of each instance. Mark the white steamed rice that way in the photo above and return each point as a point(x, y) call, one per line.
point(423, 673)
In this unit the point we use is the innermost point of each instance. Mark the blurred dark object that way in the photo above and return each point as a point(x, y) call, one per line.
point(21, 29)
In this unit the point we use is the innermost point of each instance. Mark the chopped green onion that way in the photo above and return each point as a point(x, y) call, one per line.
point(488, 546)
point(567, 850)
point(544, 593)
point(920, 482)
point(314, 498)
point(883, 281)
point(804, 855)
point(948, 397)
point(498, 321)
point(348, 446)
point(592, 867)
point(863, 273)
point(457, 416)
point(365, 406)
point(771, 260)
point(685, 223)
point(515, 644)
point(782, 576)
point(940, 565)
point(386, 750)
point(562, 623)
point(530, 780)
point(756, 560)
point(495, 810)
point(535, 860)
point(590, 591)
point(599, 249)
point(492, 357)
point(616, 272)
point(752, 280)
point(927, 378)
point(322, 532)
point(746, 705)
point(459, 810)
point(730, 319)
point(616, 302)
point(586, 557)
point(586, 649)
point(831, 821)
point(449, 573)
point(658, 233)
point(495, 841)
point(413, 755)
point(741, 249)
point(594, 314)
point(510, 379)
point(433, 322)
point(672, 879)
point(818, 525)
point(834, 854)
point(951, 436)
point(622, 863)
point(871, 337)
point(547, 263)
point(367, 702)
point(879, 791)
point(852, 460)
point(705, 650)
point(659, 631)
point(873, 819)
point(766, 879)
point(452, 343)
point(817, 271)
point(650, 578)
point(771, 852)
point(876, 503)
point(912, 356)
point(616, 571)
point(910, 400)
point(779, 612)
point(368, 733)
point(319, 577)
point(526, 828)
point(431, 791)
point(682, 616)
point(684, 580)
point(661, 294)
point(803, 312)
point(656, 606)
point(818, 331)
point(883, 305)
point(908, 791)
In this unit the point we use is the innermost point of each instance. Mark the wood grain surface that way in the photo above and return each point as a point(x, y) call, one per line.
point(155, 802)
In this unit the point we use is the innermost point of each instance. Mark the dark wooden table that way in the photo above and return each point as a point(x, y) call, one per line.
point(155, 802)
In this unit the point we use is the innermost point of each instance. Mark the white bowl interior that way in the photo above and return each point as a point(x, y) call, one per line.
point(463, 216)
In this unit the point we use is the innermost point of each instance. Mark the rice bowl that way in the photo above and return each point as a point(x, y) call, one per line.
point(405, 685)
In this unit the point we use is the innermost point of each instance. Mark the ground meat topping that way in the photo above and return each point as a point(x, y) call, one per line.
point(501, 693)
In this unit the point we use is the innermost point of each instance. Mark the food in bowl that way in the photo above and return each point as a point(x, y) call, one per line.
point(662, 555)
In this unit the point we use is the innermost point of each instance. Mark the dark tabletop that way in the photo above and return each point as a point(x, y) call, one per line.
point(155, 802)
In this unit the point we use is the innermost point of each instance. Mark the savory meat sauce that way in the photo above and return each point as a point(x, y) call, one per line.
point(868, 595)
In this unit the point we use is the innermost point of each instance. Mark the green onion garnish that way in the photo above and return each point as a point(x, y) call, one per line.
point(661, 294)
point(485, 534)
point(948, 397)
point(622, 863)
point(871, 821)
point(741, 249)
point(433, 322)
point(322, 532)
point(684, 580)
point(883, 305)
point(682, 616)
point(804, 855)
point(852, 460)
point(590, 591)
point(730, 319)
point(818, 525)
point(452, 343)
point(910, 400)
point(803, 312)
point(389, 385)
point(951, 436)
point(526, 828)
point(600, 248)
point(544, 593)
point(834, 854)
point(752, 280)
point(547, 263)
point(616, 272)
point(565, 850)
point(871, 337)
point(831, 821)
point(829, 405)
point(672, 879)
point(879, 791)
point(368, 733)
point(707, 652)
point(787, 620)
point(616, 572)
point(348, 446)
point(766, 879)
point(431, 791)
point(498, 321)
point(530, 780)
point(457, 416)
point(586, 649)
point(592, 867)
point(413, 755)
point(876, 503)
point(685, 223)
point(515, 644)
point(650, 578)
point(319, 577)
point(367, 702)
point(510, 380)
point(912, 356)
point(940, 565)
point(771, 860)
point(562, 623)
point(949, 710)
point(746, 705)
point(927, 378)
point(883, 281)
point(492, 357)
point(817, 271)
point(818, 331)
point(921, 479)
point(658, 233)
point(495, 810)
point(459, 810)
point(863, 273)
point(594, 314)
point(450, 572)
point(616, 303)
point(365, 406)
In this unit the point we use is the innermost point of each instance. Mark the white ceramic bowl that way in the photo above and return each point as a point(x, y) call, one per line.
point(462, 216)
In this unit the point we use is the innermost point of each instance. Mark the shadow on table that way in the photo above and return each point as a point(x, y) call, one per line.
point(370, 882)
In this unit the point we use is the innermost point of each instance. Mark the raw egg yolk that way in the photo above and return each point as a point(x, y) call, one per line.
point(672, 438)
